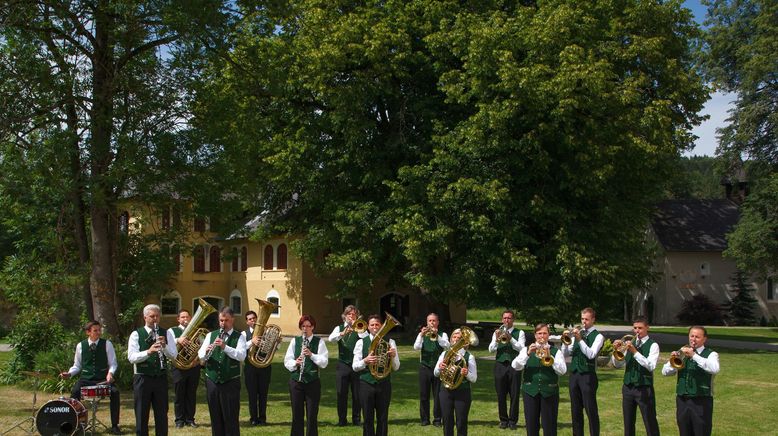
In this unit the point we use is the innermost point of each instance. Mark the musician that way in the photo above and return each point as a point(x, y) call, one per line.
point(221, 353)
point(455, 403)
point(95, 359)
point(346, 378)
point(304, 382)
point(150, 361)
point(257, 379)
point(541, 383)
point(584, 348)
point(638, 389)
point(429, 350)
point(507, 382)
point(694, 389)
point(374, 394)
point(185, 381)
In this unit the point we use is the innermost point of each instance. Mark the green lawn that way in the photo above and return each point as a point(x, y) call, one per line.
point(748, 334)
point(746, 379)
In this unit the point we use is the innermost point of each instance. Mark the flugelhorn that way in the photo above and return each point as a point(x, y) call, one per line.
point(679, 360)
point(567, 335)
point(543, 352)
point(431, 333)
point(502, 335)
point(621, 351)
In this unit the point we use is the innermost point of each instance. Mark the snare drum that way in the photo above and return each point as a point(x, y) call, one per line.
point(95, 392)
point(64, 416)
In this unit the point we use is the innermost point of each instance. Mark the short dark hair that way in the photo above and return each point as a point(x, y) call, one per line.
point(589, 310)
point(227, 310)
point(184, 310)
point(88, 326)
point(250, 312)
point(542, 325)
point(376, 316)
point(641, 319)
point(513, 315)
point(308, 318)
point(699, 327)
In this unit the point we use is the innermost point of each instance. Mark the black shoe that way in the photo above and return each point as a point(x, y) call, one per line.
point(437, 423)
point(342, 423)
point(424, 423)
point(357, 422)
point(192, 424)
point(179, 425)
point(115, 430)
point(503, 425)
point(513, 426)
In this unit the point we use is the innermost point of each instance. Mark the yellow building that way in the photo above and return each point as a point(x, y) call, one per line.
point(236, 271)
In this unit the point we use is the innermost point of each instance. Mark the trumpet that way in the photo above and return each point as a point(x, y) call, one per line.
point(543, 352)
point(679, 361)
point(431, 333)
point(621, 351)
point(502, 335)
point(567, 335)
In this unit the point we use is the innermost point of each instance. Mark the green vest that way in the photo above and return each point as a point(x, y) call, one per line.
point(220, 367)
point(94, 364)
point(540, 379)
point(505, 352)
point(580, 363)
point(693, 381)
point(430, 351)
point(635, 374)
point(151, 365)
point(310, 369)
point(177, 331)
point(346, 346)
point(365, 373)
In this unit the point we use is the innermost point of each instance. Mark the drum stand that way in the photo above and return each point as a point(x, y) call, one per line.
point(92, 426)
point(27, 425)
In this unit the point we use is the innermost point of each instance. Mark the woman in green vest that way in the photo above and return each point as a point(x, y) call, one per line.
point(541, 383)
point(455, 403)
point(304, 384)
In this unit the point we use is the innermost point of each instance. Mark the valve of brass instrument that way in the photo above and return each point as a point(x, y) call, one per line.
point(502, 335)
point(568, 335)
point(621, 346)
point(543, 352)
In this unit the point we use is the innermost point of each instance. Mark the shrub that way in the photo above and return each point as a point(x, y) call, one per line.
point(607, 348)
point(741, 308)
point(700, 309)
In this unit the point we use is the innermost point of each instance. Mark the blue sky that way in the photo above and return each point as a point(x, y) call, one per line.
point(716, 107)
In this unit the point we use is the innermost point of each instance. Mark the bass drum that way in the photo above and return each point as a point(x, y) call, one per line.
point(64, 416)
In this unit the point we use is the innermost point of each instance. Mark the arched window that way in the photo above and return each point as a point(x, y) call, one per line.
point(273, 297)
point(268, 264)
point(236, 299)
point(124, 222)
point(170, 303)
point(235, 260)
point(165, 219)
point(281, 262)
point(244, 259)
point(199, 259)
point(216, 259)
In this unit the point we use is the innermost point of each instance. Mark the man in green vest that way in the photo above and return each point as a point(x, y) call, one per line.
point(506, 343)
point(149, 349)
point(640, 360)
point(95, 359)
point(345, 377)
point(429, 350)
point(221, 353)
point(257, 380)
point(694, 389)
point(586, 345)
point(185, 381)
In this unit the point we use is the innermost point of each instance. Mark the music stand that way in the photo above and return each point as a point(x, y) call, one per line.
point(36, 375)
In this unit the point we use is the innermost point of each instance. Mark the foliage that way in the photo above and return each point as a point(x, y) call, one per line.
point(607, 348)
point(700, 309)
point(741, 308)
point(52, 362)
point(477, 151)
point(696, 177)
point(754, 242)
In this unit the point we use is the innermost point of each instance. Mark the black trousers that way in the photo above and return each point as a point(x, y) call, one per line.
point(541, 410)
point(694, 415)
point(428, 383)
point(150, 392)
point(305, 407)
point(455, 406)
point(347, 380)
point(583, 396)
point(185, 388)
point(643, 397)
point(76, 393)
point(375, 407)
point(507, 383)
point(257, 385)
point(223, 406)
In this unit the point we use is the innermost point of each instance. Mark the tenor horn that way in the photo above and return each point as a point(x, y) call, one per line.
point(380, 348)
point(187, 354)
point(270, 336)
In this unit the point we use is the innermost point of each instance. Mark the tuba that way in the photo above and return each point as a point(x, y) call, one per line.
point(620, 352)
point(187, 354)
point(451, 376)
point(543, 352)
point(380, 348)
point(262, 355)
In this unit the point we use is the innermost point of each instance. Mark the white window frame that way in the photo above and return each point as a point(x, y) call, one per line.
point(273, 293)
point(237, 293)
point(169, 296)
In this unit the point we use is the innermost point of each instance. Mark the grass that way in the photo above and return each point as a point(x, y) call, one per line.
point(748, 334)
point(746, 380)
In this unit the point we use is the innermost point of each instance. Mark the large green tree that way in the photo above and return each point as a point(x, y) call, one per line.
point(495, 151)
point(741, 56)
point(92, 106)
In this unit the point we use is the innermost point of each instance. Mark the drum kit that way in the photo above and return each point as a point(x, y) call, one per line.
point(62, 416)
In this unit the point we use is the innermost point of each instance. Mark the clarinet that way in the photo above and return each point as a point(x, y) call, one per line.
point(302, 364)
point(160, 354)
point(208, 355)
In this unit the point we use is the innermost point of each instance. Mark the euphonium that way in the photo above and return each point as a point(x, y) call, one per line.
point(270, 336)
point(679, 361)
point(621, 351)
point(380, 348)
point(187, 354)
point(543, 352)
point(503, 337)
point(567, 335)
point(451, 376)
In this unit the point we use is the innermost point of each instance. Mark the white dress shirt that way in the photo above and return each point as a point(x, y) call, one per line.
point(589, 352)
point(516, 344)
point(335, 335)
point(472, 372)
point(647, 362)
point(359, 365)
point(709, 364)
point(559, 366)
point(136, 356)
point(442, 341)
point(238, 353)
point(320, 358)
point(113, 365)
